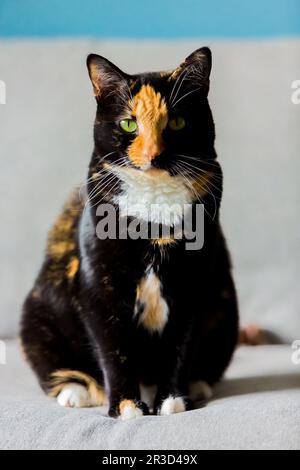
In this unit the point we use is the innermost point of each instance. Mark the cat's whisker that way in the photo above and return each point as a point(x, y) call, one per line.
point(120, 163)
point(99, 178)
point(102, 173)
point(195, 170)
point(193, 190)
point(200, 160)
point(95, 176)
point(107, 179)
point(111, 190)
point(205, 186)
point(179, 87)
point(100, 158)
point(184, 96)
point(201, 169)
point(106, 183)
point(107, 193)
point(92, 178)
point(100, 186)
point(186, 74)
point(125, 97)
point(174, 86)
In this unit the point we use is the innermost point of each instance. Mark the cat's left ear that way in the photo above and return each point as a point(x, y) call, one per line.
point(104, 75)
point(201, 60)
point(197, 67)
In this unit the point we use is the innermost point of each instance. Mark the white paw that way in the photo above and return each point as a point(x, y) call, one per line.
point(128, 410)
point(172, 405)
point(200, 391)
point(74, 396)
point(131, 413)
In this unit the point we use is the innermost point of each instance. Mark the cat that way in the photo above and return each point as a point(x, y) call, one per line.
point(108, 316)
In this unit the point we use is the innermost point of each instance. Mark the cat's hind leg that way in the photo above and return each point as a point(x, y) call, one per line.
point(58, 351)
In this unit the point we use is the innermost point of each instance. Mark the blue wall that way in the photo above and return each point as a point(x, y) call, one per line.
point(150, 18)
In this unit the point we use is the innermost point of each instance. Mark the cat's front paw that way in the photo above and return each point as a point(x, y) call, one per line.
point(128, 409)
point(171, 405)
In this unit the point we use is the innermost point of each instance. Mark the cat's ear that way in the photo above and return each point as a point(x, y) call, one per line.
point(201, 61)
point(197, 67)
point(104, 74)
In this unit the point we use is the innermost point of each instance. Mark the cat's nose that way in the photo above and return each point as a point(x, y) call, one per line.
point(153, 150)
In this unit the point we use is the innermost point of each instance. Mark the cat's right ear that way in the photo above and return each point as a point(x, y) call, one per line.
point(104, 74)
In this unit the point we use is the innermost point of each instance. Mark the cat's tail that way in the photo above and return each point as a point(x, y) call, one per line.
point(254, 335)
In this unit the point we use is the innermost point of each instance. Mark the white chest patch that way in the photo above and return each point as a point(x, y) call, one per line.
point(154, 310)
point(153, 195)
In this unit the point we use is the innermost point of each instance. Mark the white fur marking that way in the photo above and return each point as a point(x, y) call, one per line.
point(74, 396)
point(172, 405)
point(130, 412)
point(153, 195)
point(200, 391)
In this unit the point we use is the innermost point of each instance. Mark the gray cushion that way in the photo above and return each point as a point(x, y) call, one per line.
point(256, 407)
point(46, 140)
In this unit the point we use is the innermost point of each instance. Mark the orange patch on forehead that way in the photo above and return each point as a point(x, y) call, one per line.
point(150, 110)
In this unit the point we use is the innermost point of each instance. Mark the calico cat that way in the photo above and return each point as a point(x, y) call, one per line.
point(106, 316)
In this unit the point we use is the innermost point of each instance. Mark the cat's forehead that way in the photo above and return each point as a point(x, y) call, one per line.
point(159, 82)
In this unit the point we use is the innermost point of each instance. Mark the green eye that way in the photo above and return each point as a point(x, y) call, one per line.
point(128, 125)
point(177, 123)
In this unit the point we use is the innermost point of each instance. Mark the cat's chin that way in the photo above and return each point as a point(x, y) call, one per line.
point(153, 195)
point(151, 170)
point(147, 167)
point(156, 172)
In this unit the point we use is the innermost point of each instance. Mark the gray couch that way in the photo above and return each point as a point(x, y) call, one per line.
point(46, 139)
point(256, 407)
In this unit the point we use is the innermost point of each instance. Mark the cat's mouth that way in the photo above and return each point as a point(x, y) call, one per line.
point(162, 181)
point(139, 173)
point(159, 185)
point(148, 167)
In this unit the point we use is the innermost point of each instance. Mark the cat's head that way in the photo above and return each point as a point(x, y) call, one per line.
point(157, 124)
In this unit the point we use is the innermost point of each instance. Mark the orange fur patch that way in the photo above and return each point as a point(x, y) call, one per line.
point(61, 246)
point(164, 241)
point(72, 267)
point(126, 403)
point(155, 312)
point(150, 110)
point(61, 237)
